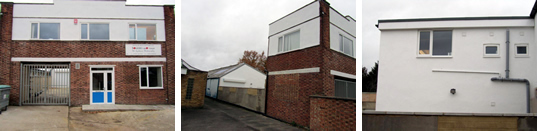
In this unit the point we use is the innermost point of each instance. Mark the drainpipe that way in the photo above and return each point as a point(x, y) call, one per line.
point(508, 79)
point(507, 70)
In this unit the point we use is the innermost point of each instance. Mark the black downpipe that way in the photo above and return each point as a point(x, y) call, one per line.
point(508, 79)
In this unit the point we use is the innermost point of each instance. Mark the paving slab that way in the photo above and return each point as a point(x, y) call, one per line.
point(40, 118)
point(120, 107)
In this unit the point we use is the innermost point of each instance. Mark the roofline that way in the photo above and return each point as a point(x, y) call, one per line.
point(183, 61)
point(231, 66)
point(533, 11)
point(345, 17)
point(456, 18)
point(293, 12)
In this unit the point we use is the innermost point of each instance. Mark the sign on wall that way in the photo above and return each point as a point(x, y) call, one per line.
point(142, 49)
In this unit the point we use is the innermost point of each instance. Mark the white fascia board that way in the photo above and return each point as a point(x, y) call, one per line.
point(296, 71)
point(41, 59)
point(342, 74)
point(150, 2)
point(456, 24)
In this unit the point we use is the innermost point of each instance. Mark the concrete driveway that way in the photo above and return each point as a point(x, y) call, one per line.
point(162, 120)
point(42, 118)
point(220, 116)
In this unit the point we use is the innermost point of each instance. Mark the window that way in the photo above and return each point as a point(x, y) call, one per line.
point(142, 32)
point(190, 85)
point(289, 41)
point(521, 50)
point(344, 88)
point(94, 31)
point(435, 43)
point(491, 50)
point(45, 31)
point(346, 45)
point(151, 77)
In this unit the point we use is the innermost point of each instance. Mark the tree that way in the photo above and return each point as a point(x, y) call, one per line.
point(254, 59)
point(369, 79)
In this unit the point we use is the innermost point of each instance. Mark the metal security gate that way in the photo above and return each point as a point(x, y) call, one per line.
point(44, 84)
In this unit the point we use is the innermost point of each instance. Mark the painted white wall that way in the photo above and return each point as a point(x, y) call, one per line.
point(119, 29)
point(251, 78)
point(457, 24)
point(347, 26)
point(309, 31)
point(88, 9)
point(406, 82)
point(117, 14)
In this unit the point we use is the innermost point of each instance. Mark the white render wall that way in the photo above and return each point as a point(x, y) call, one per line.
point(251, 77)
point(309, 31)
point(116, 14)
point(347, 26)
point(407, 83)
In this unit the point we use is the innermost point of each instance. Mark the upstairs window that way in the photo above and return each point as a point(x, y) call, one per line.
point(45, 31)
point(289, 41)
point(346, 45)
point(142, 32)
point(435, 43)
point(491, 50)
point(95, 31)
point(522, 50)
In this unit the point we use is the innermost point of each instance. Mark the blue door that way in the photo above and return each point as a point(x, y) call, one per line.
point(102, 87)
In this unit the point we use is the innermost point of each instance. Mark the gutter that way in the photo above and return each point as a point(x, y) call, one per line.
point(508, 79)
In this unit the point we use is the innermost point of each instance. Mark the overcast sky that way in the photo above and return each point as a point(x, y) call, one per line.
point(214, 33)
point(374, 10)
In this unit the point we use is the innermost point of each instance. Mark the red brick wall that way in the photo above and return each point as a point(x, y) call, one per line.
point(169, 26)
point(126, 73)
point(288, 95)
point(330, 114)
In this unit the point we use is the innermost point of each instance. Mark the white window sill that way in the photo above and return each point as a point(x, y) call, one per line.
point(151, 88)
point(522, 56)
point(492, 56)
point(434, 56)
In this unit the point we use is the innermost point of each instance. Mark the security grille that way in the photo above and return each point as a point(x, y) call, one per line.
point(45, 84)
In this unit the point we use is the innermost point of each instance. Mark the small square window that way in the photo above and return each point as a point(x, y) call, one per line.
point(151, 77)
point(142, 32)
point(435, 43)
point(94, 31)
point(521, 49)
point(491, 50)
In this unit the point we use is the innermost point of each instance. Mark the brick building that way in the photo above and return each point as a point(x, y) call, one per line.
point(87, 52)
point(193, 84)
point(311, 64)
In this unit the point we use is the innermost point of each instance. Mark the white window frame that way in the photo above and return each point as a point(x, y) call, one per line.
point(88, 33)
point(39, 25)
point(147, 76)
point(430, 54)
point(136, 32)
point(104, 73)
point(526, 45)
point(281, 45)
point(489, 45)
point(342, 37)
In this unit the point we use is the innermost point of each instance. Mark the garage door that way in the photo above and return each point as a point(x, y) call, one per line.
point(44, 84)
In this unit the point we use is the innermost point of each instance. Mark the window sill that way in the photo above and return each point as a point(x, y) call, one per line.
point(492, 56)
point(144, 88)
point(434, 56)
point(522, 56)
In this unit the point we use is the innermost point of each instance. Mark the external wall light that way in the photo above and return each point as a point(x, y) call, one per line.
point(453, 91)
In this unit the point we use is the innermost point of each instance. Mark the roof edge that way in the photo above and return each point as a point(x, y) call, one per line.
point(533, 11)
point(455, 18)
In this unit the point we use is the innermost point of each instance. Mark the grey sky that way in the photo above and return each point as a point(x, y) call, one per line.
point(215, 33)
point(373, 10)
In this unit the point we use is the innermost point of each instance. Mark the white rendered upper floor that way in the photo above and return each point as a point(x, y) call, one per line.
point(421, 60)
point(301, 29)
point(88, 20)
